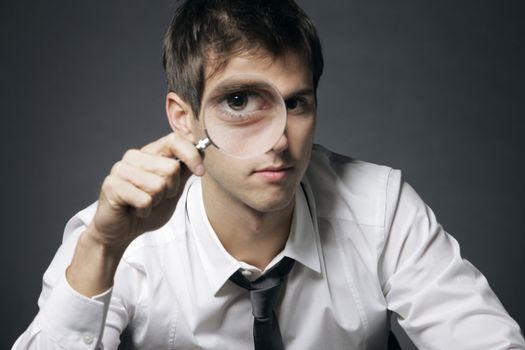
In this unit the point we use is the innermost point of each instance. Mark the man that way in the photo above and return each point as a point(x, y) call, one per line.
point(157, 258)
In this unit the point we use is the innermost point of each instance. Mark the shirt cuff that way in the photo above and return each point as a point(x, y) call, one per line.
point(72, 319)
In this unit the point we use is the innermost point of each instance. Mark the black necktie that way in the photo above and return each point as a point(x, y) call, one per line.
point(263, 295)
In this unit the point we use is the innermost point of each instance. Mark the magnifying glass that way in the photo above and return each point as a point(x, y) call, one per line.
point(243, 116)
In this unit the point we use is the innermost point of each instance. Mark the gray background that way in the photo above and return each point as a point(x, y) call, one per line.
point(434, 88)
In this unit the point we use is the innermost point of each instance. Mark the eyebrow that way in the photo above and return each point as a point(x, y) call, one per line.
point(236, 86)
point(232, 86)
point(306, 92)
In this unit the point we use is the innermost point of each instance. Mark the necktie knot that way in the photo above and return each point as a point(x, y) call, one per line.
point(263, 296)
point(272, 278)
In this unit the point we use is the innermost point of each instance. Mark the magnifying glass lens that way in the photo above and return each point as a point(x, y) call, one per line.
point(244, 116)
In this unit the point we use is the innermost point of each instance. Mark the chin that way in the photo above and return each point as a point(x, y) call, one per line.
point(271, 202)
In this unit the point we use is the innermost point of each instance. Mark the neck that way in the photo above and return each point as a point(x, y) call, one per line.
point(247, 234)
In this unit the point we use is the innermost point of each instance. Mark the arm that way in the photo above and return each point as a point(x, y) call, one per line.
point(139, 195)
point(441, 300)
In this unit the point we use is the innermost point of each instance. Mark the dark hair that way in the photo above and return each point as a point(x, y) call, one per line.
point(206, 33)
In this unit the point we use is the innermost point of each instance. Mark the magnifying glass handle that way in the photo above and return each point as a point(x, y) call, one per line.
point(203, 144)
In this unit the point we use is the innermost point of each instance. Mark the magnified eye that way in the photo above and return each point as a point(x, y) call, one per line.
point(237, 101)
point(244, 102)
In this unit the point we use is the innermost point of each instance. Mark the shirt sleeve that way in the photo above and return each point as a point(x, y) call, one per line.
point(67, 319)
point(440, 299)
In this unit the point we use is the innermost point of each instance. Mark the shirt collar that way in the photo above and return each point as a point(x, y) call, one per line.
point(219, 265)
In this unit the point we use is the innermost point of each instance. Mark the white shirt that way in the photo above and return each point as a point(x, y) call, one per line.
point(365, 245)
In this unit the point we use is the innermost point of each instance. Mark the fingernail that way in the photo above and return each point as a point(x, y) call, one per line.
point(199, 170)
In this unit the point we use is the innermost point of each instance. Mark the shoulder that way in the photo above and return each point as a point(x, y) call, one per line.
point(351, 189)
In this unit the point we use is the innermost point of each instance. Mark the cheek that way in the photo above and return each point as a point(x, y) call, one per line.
point(222, 168)
point(301, 132)
point(226, 178)
point(197, 130)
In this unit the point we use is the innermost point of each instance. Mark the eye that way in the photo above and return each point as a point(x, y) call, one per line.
point(291, 103)
point(243, 103)
point(237, 101)
point(295, 105)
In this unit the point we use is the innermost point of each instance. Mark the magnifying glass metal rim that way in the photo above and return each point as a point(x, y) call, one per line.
point(205, 142)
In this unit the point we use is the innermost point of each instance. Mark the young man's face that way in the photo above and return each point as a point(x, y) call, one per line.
point(266, 182)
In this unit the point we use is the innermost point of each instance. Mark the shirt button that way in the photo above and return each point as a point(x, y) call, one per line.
point(87, 339)
point(246, 273)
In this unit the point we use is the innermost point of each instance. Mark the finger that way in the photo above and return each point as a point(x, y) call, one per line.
point(175, 145)
point(174, 183)
point(160, 165)
point(156, 186)
point(169, 168)
point(120, 194)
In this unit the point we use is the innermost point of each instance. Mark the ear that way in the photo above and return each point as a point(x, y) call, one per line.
point(180, 115)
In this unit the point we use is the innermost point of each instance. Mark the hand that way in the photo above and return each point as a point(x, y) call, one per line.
point(142, 190)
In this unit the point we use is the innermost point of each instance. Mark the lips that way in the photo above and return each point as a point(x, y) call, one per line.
point(274, 173)
point(274, 168)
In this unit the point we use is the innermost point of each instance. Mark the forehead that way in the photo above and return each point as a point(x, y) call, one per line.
point(287, 72)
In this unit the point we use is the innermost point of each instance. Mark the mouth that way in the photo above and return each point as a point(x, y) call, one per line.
point(274, 173)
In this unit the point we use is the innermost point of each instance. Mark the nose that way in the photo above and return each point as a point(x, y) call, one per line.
point(281, 144)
